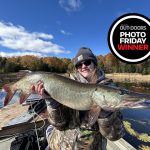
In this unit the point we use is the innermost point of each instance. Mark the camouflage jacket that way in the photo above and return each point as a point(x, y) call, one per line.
point(73, 129)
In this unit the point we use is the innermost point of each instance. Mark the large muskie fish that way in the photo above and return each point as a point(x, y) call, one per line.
point(77, 95)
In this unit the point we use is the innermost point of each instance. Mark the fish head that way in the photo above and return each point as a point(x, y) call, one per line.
point(135, 100)
point(113, 99)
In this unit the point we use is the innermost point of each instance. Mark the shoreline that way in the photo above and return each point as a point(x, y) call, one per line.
point(116, 77)
point(129, 77)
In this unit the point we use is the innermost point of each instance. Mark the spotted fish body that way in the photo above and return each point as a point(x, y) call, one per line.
point(76, 95)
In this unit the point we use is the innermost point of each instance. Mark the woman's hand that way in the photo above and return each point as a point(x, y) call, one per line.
point(39, 89)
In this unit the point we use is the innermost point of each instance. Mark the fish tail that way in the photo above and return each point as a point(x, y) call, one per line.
point(23, 97)
point(9, 94)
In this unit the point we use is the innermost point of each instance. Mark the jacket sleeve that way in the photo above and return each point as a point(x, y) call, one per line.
point(57, 114)
point(60, 116)
point(111, 125)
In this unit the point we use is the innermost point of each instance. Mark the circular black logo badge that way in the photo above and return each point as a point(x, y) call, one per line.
point(129, 38)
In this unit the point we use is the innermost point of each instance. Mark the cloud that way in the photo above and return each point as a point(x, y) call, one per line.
point(17, 38)
point(65, 33)
point(70, 5)
point(6, 54)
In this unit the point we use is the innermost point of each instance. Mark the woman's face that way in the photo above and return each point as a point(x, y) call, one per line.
point(86, 68)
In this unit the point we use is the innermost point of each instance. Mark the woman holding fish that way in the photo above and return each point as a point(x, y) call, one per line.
point(73, 129)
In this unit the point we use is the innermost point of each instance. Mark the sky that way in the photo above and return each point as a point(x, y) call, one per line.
point(60, 27)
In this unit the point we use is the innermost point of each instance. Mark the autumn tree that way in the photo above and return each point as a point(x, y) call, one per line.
point(2, 64)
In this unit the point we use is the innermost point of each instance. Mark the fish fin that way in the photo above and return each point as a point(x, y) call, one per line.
point(9, 94)
point(92, 116)
point(23, 97)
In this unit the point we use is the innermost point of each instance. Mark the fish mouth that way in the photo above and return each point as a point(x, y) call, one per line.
point(144, 104)
point(136, 100)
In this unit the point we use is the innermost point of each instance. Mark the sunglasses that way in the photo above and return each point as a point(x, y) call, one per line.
point(86, 63)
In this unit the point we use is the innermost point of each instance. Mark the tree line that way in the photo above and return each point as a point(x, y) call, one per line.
point(108, 63)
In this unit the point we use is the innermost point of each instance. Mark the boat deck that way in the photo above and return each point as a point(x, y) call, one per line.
point(10, 112)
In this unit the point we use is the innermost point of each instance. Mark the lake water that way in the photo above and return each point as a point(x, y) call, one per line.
point(138, 118)
point(2, 96)
point(14, 99)
point(140, 123)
